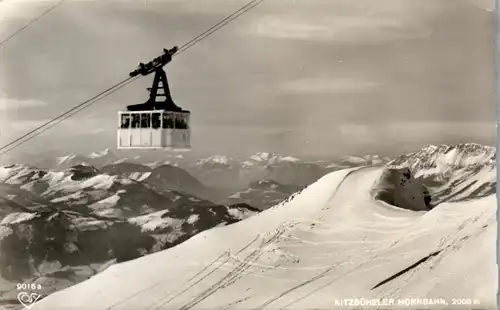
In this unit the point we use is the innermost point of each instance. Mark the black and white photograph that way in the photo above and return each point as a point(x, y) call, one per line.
point(248, 155)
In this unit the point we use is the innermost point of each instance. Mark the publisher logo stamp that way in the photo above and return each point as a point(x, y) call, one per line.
point(26, 297)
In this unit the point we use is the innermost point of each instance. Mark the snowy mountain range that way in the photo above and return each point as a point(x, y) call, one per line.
point(453, 173)
point(288, 226)
point(415, 227)
point(220, 171)
point(61, 227)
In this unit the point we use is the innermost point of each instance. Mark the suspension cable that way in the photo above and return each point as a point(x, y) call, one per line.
point(31, 22)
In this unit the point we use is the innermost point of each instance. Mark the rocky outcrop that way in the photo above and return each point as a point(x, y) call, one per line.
point(399, 188)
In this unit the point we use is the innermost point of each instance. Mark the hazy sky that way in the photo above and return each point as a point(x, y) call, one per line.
point(302, 77)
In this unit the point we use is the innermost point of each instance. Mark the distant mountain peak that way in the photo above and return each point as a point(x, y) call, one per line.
point(429, 148)
point(263, 156)
point(64, 159)
point(272, 157)
point(288, 159)
point(95, 158)
point(102, 153)
point(119, 161)
point(216, 159)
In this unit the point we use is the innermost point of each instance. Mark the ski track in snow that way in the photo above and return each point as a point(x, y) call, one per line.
point(330, 242)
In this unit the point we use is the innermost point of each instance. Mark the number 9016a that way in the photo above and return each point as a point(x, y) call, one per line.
point(29, 286)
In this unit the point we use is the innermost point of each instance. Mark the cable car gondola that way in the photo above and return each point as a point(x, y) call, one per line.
point(155, 124)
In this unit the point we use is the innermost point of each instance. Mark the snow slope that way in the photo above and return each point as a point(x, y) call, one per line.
point(331, 241)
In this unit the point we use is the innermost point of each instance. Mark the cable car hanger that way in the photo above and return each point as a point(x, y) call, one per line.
point(156, 66)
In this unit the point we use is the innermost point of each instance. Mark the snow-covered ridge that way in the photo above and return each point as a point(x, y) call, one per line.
point(444, 156)
point(324, 245)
